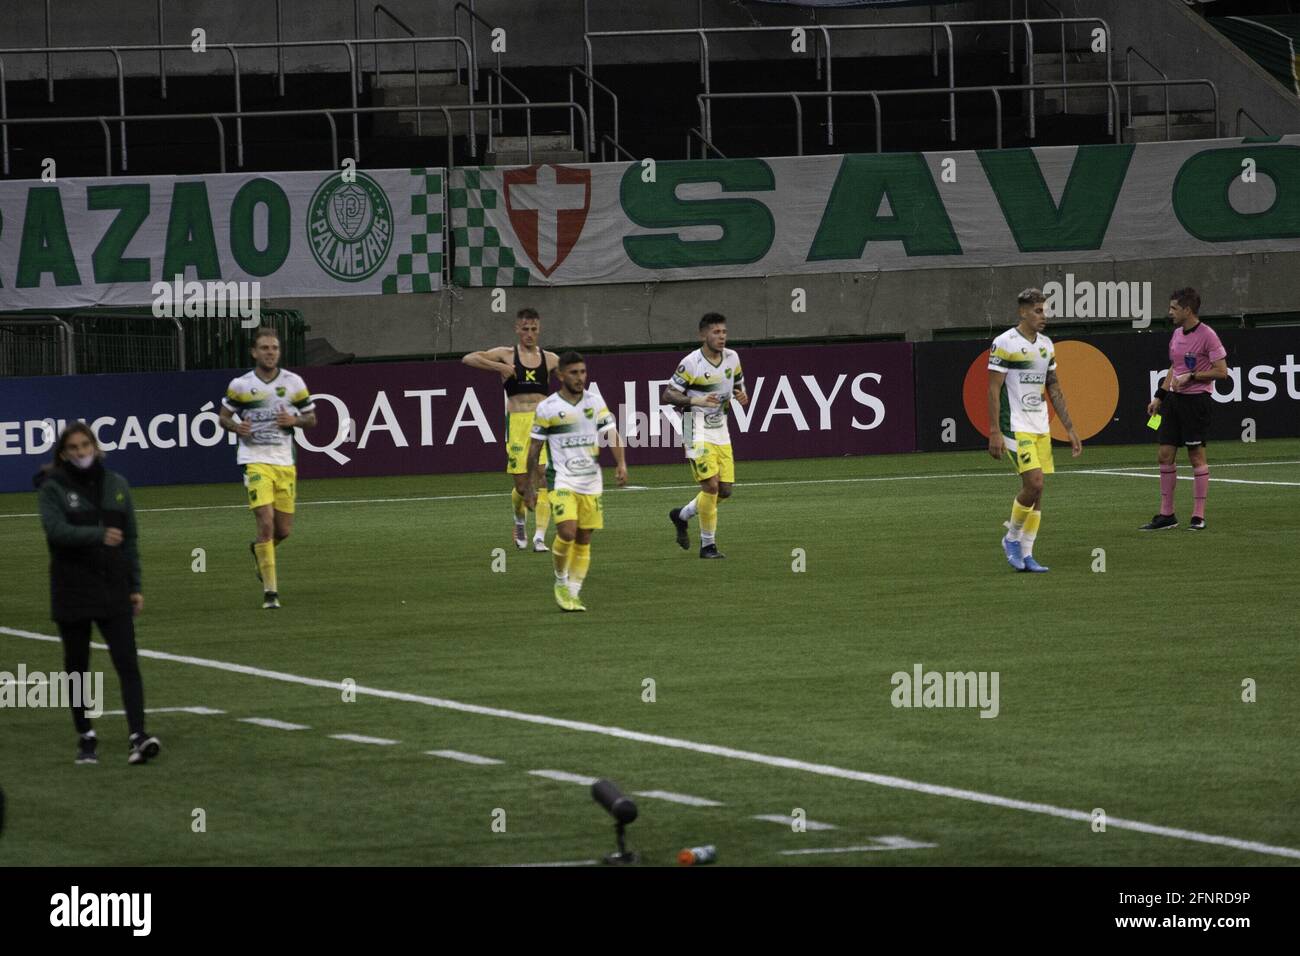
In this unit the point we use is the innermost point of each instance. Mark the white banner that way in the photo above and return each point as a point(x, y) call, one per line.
point(697, 219)
point(81, 242)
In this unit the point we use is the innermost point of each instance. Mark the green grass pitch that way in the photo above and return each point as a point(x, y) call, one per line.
point(1119, 690)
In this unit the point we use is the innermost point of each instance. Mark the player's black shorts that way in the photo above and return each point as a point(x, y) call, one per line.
point(1185, 419)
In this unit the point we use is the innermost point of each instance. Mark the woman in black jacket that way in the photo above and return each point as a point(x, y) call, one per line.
point(90, 527)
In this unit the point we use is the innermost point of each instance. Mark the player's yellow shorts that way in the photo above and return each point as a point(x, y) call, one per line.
point(519, 427)
point(709, 460)
point(1030, 450)
point(568, 505)
point(271, 485)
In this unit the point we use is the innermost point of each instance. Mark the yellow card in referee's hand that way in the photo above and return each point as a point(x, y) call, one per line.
point(1153, 422)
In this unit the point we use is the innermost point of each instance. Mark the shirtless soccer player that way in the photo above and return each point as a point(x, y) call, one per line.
point(526, 371)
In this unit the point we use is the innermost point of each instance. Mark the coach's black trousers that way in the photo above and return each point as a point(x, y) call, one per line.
point(119, 635)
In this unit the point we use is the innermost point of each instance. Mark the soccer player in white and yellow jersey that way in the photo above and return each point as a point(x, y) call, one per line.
point(263, 407)
point(704, 385)
point(1022, 363)
point(572, 424)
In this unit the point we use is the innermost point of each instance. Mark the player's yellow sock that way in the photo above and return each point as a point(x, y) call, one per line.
point(708, 508)
point(1019, 515)
point(265, 552)
point(517, 500)
point(562, 551)
point(543, 513)
point(1029, 533)
point(579, 561)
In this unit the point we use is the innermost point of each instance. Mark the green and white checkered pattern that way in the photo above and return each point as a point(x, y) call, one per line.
point(419, 269)
point(482, 258)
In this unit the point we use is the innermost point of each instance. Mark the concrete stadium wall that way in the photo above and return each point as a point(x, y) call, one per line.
point(913, 304)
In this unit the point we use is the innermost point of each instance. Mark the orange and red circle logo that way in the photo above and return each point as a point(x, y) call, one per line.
point(1087, 378)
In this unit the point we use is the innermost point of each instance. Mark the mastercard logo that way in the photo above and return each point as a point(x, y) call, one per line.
point(1088, 379)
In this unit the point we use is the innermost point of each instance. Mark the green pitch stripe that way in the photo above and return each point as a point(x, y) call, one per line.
point(749, 756)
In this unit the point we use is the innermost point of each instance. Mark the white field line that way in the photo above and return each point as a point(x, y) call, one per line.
point(1229, 481)
point(563, 863)
point(465, 758)
point(564, 777)
point(272, 723)
point(363, 739)
point(788, 820)
point(730, 753)
point(201, 711)
point(746, 484)
point(683, 798)
point(882, 843)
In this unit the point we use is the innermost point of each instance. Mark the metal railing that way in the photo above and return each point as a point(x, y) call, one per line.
point(501, 82)
point(27, 354)
point(327, 112)
point(473, 19)
point(116, 52)
point(127, 342)
point(705, 145)
point(415, 55)
point(591, 80)
point(162, 66)
point(1112, 86)
point(351, 46)
point(1129, 93)
point(618, 148)
point(702, 34)
point(1244, 112)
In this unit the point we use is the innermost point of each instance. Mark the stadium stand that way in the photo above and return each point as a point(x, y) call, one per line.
point(466, 84)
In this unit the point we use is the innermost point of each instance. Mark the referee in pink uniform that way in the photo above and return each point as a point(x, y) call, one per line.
point(1196, 360)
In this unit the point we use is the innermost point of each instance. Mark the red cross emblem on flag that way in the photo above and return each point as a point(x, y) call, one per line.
point(548, 207)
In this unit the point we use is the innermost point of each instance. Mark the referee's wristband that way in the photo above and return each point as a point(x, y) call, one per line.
point(1161, 393)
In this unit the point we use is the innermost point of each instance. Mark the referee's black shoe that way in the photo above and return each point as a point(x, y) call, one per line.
point(1198, 524)
point(86, 748)
point(1160, 522)
point(143, 748)
point(683, 539)
point(711, 551)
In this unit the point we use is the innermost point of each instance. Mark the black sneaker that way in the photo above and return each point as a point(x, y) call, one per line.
point(1198, 524)
point(711, 551)
point(1160, 522)
point(271, 601)
point(142, 748)
point(257, 569)
point(86, 748)
point(683, 539)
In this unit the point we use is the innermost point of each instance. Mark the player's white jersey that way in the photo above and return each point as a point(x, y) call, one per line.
point(258, 402)
point(1026, 364)
point(696, 375)
point(572, 432)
